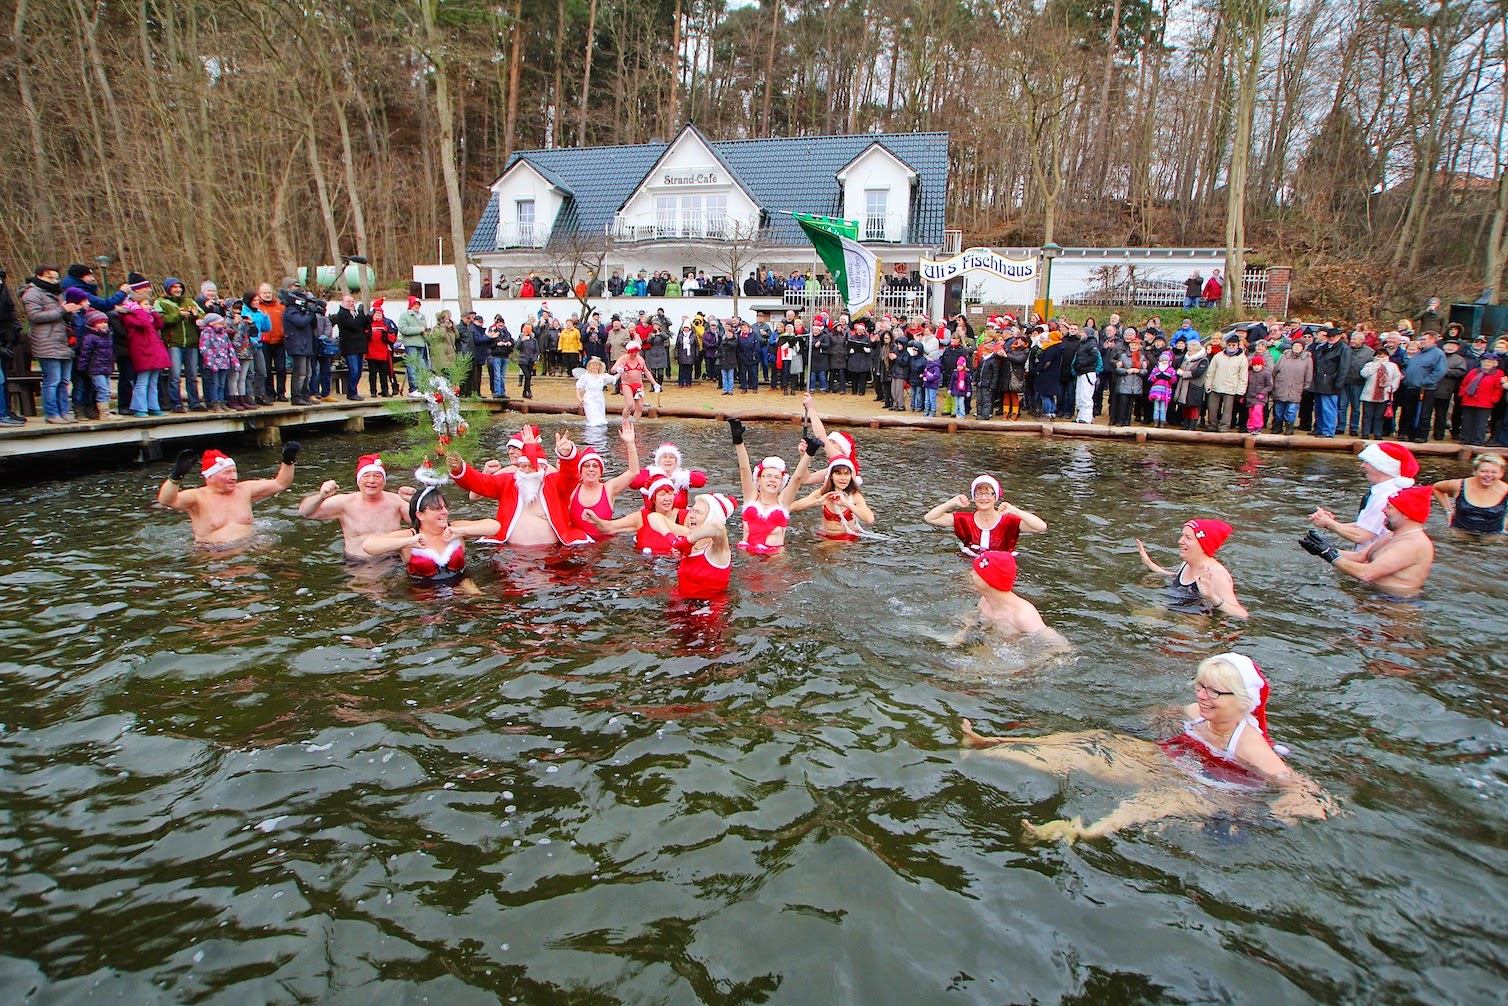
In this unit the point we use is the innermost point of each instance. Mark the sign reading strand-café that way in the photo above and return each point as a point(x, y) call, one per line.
point(978, 260)
point(689, 178)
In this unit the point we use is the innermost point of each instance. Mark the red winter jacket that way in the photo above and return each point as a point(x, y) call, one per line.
point(1487, 389)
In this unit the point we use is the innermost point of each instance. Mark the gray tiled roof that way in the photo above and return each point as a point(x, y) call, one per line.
point(783, 173)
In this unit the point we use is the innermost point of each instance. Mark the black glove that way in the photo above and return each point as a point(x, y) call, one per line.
point(186, 459)
point(1317, 544)
point(290, 451)
point(736, 430)
point(813, 445)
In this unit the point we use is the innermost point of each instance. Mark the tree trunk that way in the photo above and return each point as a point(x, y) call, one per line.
point(41, 193)
point(515, 65)
point(1240, 163)
point(445, 113)
point(769, 69)
point(586, 72)
point(675, 68)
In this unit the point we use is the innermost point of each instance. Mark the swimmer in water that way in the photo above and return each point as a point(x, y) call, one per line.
point(595, 495)
point(1000, 607)
point(1202, 580)
point(1223, 742)
point(668, 463)
point(706, 559)
point(433, 551)
point(1396, 561)
point(657, 526)
point(993, 526)
point(768, 494)
point(1479, 503)
point(844, 509)
point(368, 511)
point(1388, 467)
point(220, 512)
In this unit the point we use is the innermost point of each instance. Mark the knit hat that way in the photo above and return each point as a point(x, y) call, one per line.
point(170, 282)
point(1211, 534)
point(75, 295)
point(92, 318)
point(377, 305)
point(719, 507)
point(370, 463)
point(998, 569)
point(214, 462)
point(1391, 459)
point(211, 319)
point(1413, 502)
point(78, 270)
point(1258, 360)
point(136, 281)
point(413, 302)
point(984, 480)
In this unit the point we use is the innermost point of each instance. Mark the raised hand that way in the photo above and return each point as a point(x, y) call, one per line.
point(455, 461)
point(186, 459)
point(290, 451)
point(329, 488)
point(626, 434)
point(1317, 544)
point(736, 431)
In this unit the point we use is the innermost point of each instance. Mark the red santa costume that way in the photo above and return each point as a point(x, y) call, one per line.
point(761, 520)
point(555, 492)
point(681, 477)
point(648, 539)
point(974, 539)
point(698, 576)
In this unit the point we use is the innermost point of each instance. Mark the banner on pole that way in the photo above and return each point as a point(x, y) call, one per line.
point(853, 267)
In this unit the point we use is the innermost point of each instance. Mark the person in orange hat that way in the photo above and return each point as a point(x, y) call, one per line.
point(1396, 561)
point(220, 511)
point(368, 511)
point(1202, 582)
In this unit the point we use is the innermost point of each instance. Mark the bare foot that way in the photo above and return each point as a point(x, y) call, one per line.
point(1055, 831)
point(971, 739)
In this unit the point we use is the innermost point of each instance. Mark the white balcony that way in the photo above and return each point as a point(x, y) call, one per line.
point(633, 228)
point(889, 228)
point(521, 235)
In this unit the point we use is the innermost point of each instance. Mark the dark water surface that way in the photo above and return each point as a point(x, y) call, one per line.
point(260, 778)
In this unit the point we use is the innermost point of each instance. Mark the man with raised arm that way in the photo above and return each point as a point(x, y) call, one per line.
point(532, 500)
point(220, 511)
point(368, 511)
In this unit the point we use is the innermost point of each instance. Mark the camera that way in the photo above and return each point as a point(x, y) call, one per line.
point(301, 300)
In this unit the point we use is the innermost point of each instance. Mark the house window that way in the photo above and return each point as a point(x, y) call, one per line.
point(665, 216)
point(717, 214)
point(693, 223)
point(431, 291)
point(875, 216)
point(525, 221)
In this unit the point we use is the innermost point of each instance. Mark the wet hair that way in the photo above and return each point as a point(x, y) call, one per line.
point(428, 498)
point(1487, 459)
point(829, 487)
point(1222, 675)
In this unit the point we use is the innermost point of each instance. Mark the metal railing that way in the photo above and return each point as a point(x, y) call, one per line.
point(706, 227)
point(892, 300)
point(526, 235)
point(1137, 290)
point(885, 228)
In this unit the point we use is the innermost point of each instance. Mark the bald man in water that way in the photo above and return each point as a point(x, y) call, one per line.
point(220, 512)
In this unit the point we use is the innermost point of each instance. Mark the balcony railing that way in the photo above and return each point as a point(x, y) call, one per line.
point(887, 228)
point(680, 227)
point(891, 300)
point(521, 236)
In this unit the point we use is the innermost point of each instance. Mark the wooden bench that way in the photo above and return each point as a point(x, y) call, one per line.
point(22, 393)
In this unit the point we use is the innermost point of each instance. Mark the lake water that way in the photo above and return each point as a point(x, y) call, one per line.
point(260, 778)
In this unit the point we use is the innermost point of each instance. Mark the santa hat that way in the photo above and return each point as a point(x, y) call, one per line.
point(370, 463)
point(1413, 502)
point(984, 480)
point(821, 318)
point(214, 462)
point(658, 484)
point(772, 464)
point(992, 322)
point(719, 507)
point(843, 462)
point(1391, 459)
point(842, 443)
point(516, 443)
point(633, 346)
point(590, 454)
point(377, 305)
point(998, 569)
point(413, 302)
point(1009, 319)
point(535, 454)
point(1254, 683)
point(668, 448)
point(1211, 534)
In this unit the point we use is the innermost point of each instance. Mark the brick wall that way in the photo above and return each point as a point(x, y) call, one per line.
point(1279, 277)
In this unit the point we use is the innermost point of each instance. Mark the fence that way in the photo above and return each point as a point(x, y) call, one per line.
point(892, 300)
point(1126, 286)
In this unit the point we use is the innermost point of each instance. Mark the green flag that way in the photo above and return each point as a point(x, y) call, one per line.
point(853, 267)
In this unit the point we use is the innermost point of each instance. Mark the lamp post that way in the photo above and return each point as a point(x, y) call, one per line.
point(104, 262)
point(1050, 251)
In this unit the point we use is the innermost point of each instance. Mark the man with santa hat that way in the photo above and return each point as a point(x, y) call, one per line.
point(368, 511)
point(220, 512)
point(1396, 561)
point(532, 500)
point(1389, 467)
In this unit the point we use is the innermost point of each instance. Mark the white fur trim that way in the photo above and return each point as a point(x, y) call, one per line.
point(985, 480)
point(371, 466)
point(219, 466)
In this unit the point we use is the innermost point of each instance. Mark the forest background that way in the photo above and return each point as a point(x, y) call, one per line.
point(1362, 141)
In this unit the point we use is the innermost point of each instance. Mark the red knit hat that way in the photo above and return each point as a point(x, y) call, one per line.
point(1210, 533)
point(1413, 502)
point(413, 302)
point(214, 462)
point(998, 569)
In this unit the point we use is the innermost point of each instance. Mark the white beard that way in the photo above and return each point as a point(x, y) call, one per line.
point(530, 485)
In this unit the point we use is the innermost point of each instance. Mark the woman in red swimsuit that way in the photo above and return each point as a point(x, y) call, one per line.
point(632, 371)
point(1223, 742)
point(768, 493)
point(844, 510)
point(592, 495)
point(706, 559)
point(992, 526)
point(433, 553)
point(656, 528)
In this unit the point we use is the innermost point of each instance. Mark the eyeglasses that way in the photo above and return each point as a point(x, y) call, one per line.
point(1214, 693)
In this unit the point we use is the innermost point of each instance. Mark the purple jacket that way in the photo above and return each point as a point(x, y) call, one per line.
point(96, 353)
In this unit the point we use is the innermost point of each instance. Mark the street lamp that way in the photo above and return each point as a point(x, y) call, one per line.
point(104, 262)
point(1050, 251)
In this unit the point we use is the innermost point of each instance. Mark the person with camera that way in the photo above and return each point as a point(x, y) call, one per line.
point(300, 320)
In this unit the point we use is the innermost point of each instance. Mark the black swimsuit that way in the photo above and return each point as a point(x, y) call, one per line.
point(1478, 519)
point(1185, 596)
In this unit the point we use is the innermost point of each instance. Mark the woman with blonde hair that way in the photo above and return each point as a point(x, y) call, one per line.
point(1223, 745)
point(1479, 502)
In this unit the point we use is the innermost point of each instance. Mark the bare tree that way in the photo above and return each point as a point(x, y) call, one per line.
point(741, 244)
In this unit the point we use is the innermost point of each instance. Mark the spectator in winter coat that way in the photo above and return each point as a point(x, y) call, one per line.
point(180, 312)
point(749, 344)
point(41, 300)
point(149, 356)
point(528, 351)
point(1258, 392)
point(1332, 358)
point(1188, 395)
point(1481, 390)
point(1193, 292)
point(1088, 365)
point(1350, 417)
point(1214, 290)
point(1291, 376)
point(1131, 370)
point(354, 328)
point(96, 359)
point(298, 337)
point(1444, 395)
point(413, 331)
point(1420, 376)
